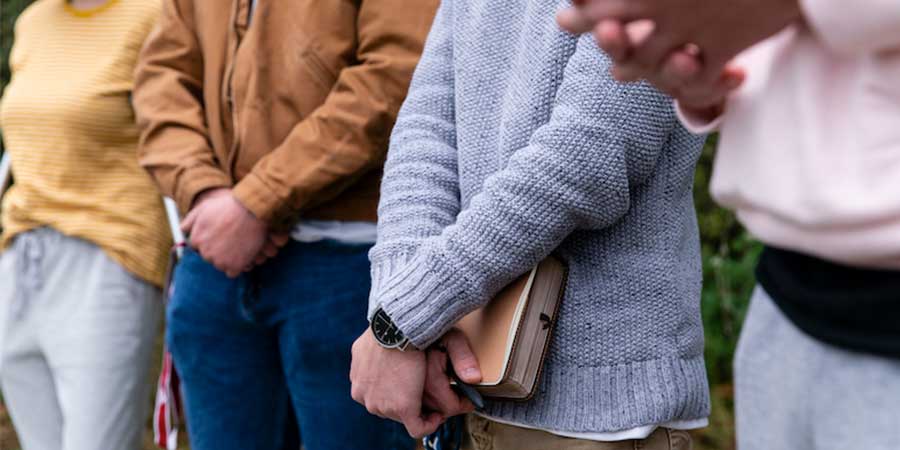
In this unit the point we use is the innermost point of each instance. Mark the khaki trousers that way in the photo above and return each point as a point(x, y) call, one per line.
point(484, 434)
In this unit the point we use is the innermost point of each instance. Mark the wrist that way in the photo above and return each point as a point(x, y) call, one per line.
point(703, 113)
point(387, 334)
point(209, 193)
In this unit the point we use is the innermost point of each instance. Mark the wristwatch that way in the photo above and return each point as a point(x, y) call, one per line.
point(386, 332)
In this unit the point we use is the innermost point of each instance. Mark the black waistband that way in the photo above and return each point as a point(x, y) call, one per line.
point(854, 308)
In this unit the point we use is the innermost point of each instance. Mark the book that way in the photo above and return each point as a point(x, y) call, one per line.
point(511, 334)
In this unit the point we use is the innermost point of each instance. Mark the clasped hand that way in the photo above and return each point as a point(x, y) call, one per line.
point(412, 386)
point(229, 236)
point(684, 47)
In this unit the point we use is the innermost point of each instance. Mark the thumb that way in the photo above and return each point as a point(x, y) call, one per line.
point(463, 359)
point(188, 223)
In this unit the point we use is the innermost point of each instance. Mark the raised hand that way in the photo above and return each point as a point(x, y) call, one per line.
point(719, 29)
point(684, 47)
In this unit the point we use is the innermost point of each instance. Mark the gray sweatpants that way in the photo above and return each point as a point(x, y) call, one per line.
point(76, 337)
point(796, 393)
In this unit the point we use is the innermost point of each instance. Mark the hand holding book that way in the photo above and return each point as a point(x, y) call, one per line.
point(450, 360)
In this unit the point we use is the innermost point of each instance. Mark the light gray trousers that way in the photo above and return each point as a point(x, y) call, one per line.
point(796, 393)
point(76, 336)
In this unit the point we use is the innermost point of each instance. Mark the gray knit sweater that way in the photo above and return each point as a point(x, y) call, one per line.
point(515, 142)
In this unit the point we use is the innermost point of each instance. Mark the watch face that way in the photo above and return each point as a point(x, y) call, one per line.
point(385, 331)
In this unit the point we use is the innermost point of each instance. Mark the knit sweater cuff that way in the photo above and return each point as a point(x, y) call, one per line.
point(421, 293)
point(383, 268)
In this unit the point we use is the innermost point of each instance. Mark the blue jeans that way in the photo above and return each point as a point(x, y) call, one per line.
point(249, 348)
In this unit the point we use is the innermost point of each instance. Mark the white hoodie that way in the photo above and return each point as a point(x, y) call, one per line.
point(809, 152)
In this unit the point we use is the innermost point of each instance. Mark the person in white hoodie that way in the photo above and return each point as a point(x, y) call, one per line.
point(806, 95)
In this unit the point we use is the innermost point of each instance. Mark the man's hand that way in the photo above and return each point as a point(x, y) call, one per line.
point(439, 396)
point(716, 29)
point(224, 232)
point(272, 247)
point(390, 384)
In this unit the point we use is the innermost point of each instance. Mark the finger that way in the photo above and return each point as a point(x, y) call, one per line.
point(639, 31)
point(612, 38)
point(574, 21)
point(218, 265)
point(188, 223)
point(463, 359)
point(622, 10)
point(465, 407)
point(650, 52)
point(713, 67)
point(260, 260)
point(733, 76)
point(706, 98)
point(418, 426)
point(681, 68)
point(439, 396)
point(270, 250)
point(279, 239)
point(231, 272)
point(702, 94)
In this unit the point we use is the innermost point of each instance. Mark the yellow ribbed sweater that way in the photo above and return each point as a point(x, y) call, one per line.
point(69, 128)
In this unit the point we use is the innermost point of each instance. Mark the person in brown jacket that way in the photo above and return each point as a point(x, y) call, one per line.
point(268, 121)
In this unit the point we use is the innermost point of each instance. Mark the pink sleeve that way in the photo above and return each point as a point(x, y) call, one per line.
point(854, 26)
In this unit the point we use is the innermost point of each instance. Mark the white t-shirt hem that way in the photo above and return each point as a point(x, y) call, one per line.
point(638, 433)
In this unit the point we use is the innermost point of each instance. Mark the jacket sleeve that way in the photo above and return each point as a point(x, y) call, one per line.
point(855, 27)
point(175, 147)
point(603, 138)
point(420, 176)
point(347, 135)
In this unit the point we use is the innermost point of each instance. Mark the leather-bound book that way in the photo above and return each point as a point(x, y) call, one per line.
point(511, 334)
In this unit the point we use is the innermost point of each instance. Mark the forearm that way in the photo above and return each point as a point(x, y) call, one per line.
point(420, 187)
point(174, 146)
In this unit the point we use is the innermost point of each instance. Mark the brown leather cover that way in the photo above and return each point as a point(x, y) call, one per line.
point(511, 347)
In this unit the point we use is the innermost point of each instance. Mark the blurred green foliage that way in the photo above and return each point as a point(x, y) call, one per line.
point(729, 257)
point(9, 10)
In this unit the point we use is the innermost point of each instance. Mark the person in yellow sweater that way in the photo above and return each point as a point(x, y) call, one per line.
point(84, 237)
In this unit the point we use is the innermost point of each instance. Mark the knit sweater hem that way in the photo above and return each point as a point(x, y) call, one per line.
point(612, 398)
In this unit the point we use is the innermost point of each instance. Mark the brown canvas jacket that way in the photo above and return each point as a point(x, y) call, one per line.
point(294, 112)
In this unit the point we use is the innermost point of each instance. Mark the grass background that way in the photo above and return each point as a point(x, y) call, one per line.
point(729, 255)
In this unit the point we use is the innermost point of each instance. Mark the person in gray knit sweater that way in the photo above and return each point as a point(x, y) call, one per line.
point(515, 142)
